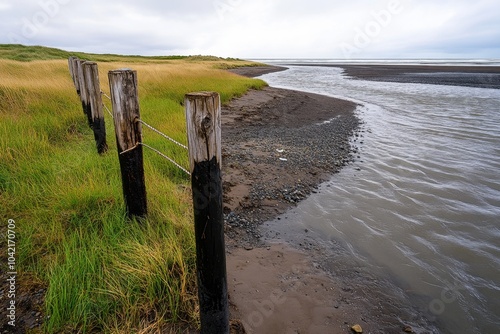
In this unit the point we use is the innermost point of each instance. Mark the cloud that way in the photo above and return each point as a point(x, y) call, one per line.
point(258, 28)
point(4, 5)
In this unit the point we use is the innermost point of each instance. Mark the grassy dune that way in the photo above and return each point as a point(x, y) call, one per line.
point(102, 272)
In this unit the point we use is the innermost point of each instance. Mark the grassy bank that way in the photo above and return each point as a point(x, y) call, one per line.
point(102, 273)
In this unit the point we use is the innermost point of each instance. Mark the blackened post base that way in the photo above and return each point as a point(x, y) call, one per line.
point(134, 186)
point(210, 247)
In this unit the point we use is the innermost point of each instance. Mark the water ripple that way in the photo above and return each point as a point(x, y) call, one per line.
point(426, 204)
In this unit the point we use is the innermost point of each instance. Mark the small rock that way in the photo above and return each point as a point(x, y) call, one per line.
point(357, 329)
point(408, 329)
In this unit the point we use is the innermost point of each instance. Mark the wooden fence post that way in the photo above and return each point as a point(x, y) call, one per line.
point(93, 88)
point(204, 141)
point(73, 72)
point(123, 86)
point(83, 92)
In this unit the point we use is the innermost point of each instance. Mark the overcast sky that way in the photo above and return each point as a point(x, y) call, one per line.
point(259, 28)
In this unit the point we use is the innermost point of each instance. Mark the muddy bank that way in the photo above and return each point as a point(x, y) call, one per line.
point(255, 71)
point(278, 146)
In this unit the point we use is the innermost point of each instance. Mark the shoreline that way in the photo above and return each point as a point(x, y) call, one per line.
point(279, 146)
point(466, 75)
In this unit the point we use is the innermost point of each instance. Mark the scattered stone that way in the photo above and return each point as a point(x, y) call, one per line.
point(408, 329)
point(357, 329)
point(252, 154)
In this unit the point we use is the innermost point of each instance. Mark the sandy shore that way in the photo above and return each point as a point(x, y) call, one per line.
point(279, 145)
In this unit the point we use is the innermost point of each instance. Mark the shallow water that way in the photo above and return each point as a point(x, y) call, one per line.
point(422, 201)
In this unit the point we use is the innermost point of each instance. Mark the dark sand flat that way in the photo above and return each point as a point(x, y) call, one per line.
point(469, 76)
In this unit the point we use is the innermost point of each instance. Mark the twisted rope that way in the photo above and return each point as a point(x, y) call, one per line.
point(164, 135)
point(159, 153)
point(168, 158)
point(109, 112)
point(105, 95)
point(149, 147)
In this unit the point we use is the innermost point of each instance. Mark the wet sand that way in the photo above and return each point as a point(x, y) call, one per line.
point(278, 146)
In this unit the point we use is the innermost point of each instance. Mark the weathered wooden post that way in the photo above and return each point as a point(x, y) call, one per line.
point(83, 92)
point(204, 138)
point(93, 88)
point(125, 102)
point(73, 72)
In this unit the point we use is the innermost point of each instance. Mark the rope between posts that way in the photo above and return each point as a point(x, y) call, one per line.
point(106, 95)
point(149, 126)
point(109, 111)
point(149, 147)
point(166, 157)
point(159, 153)
point(164, 135)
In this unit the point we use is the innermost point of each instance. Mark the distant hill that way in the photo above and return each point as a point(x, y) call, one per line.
point(30, 53)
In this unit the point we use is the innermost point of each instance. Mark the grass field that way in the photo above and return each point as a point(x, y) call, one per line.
point(102, 272)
